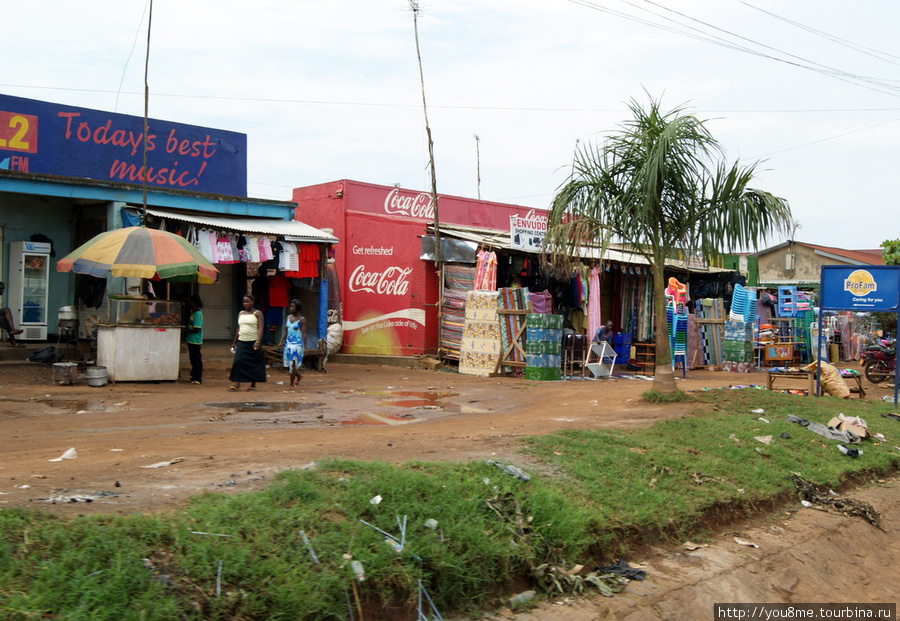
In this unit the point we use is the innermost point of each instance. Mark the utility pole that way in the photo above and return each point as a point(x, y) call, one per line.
point(414, 5)
point(146, 115)
point(478, 164)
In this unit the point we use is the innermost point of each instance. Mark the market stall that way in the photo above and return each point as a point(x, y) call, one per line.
point(140, 338)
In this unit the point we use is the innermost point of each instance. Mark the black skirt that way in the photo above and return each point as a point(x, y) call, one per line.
point(249, 364)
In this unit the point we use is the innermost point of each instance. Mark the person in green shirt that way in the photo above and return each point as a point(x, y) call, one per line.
point(194, 337)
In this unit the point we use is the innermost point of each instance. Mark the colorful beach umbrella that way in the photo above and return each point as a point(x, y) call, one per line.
point(139, 252)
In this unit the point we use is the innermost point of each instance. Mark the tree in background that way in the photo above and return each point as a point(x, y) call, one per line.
point(657, 187)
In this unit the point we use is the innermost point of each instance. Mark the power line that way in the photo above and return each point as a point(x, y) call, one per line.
point(853, 46)
point(324, 102)
point(692, 32)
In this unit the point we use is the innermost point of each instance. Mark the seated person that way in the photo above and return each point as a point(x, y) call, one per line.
point(6, 322)
point(605, 333)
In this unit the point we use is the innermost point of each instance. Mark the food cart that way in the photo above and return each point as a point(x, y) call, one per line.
point(141, 340)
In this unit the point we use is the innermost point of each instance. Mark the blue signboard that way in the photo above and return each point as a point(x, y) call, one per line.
point(863, 288)
point(55, 139)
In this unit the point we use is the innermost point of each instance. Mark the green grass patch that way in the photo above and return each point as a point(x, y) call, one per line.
point(592, 496)
point(654, 396)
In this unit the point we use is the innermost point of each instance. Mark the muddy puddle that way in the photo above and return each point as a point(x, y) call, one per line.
point(74, 405)
point(264, 406)
point(356, 408)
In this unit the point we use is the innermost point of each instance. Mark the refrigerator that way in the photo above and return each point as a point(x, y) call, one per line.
point(27, 289)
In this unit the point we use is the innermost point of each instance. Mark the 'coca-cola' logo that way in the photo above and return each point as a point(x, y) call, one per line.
point(418, 206)
point(532, 220)
point(392, 281)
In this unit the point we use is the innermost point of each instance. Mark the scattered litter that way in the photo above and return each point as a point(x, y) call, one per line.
point(690, 545)
point(830, 433)
point(376, 500)
point(163, 464)
point(765, 420)
point(219, 579)
point(396, 547)
point(624, 569)
point(510, 469)
point(200, 532)
point(26, 486)
point(431, 523)
point(116, 450)
point(849, 452)
point(893, 416)
point(520, 598)
point(358, 570)
point(76, 498)
point(806, 503)
point(734, 437)
point(758, 411)
point(879, 436)
point(763, 439)
point(784, 435)
point(556, 579)
point(435, 615)
point(845, 506)
point(742, 542)
point(69, 454)
point(312, 552)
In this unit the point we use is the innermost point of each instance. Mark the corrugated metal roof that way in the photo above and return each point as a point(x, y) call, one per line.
point(291, 230)
point(502, 240)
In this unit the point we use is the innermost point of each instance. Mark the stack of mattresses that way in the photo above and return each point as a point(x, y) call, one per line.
point(737, 348)
point(543, 344)
point(480, 348)
point(458, 281)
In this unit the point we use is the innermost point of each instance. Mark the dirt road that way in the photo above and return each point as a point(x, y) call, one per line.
point(150, 446)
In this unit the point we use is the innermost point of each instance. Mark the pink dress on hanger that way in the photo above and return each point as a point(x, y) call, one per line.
point(593, 307)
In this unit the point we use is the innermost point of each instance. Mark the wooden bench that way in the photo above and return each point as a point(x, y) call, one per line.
point(809, 376)
point(854, 381)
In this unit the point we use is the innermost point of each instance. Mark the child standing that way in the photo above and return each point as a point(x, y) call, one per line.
point(194, 337)
point(293, 338)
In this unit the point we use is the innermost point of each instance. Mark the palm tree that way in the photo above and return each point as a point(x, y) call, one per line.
point(657, 187)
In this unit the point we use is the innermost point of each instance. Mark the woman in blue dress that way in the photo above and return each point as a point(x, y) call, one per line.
point(292, 339)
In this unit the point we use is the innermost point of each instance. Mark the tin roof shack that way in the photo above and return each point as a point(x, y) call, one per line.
point(794, 263)
point(390, 295)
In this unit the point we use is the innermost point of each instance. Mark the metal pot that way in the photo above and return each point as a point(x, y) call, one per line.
point(67, 313)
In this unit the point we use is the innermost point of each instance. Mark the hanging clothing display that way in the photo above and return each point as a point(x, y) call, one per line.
point(593, 305)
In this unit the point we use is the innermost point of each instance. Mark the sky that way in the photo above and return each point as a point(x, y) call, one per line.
point(809, 89)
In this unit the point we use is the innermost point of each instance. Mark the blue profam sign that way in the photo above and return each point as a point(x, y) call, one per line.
point(864, 288)
point(54, 139)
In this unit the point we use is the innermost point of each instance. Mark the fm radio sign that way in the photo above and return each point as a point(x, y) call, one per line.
point(53, 139)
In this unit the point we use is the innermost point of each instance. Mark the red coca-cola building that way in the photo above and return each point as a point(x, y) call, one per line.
point(390, 294)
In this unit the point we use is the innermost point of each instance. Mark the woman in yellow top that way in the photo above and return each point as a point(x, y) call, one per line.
point(249, 361)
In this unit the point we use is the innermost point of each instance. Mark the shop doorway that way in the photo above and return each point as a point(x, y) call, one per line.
point(218, 306)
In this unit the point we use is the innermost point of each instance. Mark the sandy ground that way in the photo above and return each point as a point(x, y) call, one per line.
point(150, 446)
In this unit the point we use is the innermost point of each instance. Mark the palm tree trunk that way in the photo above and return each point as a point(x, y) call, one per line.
point(664, 376)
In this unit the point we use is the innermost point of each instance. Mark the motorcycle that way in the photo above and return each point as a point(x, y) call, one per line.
point(880, 360)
